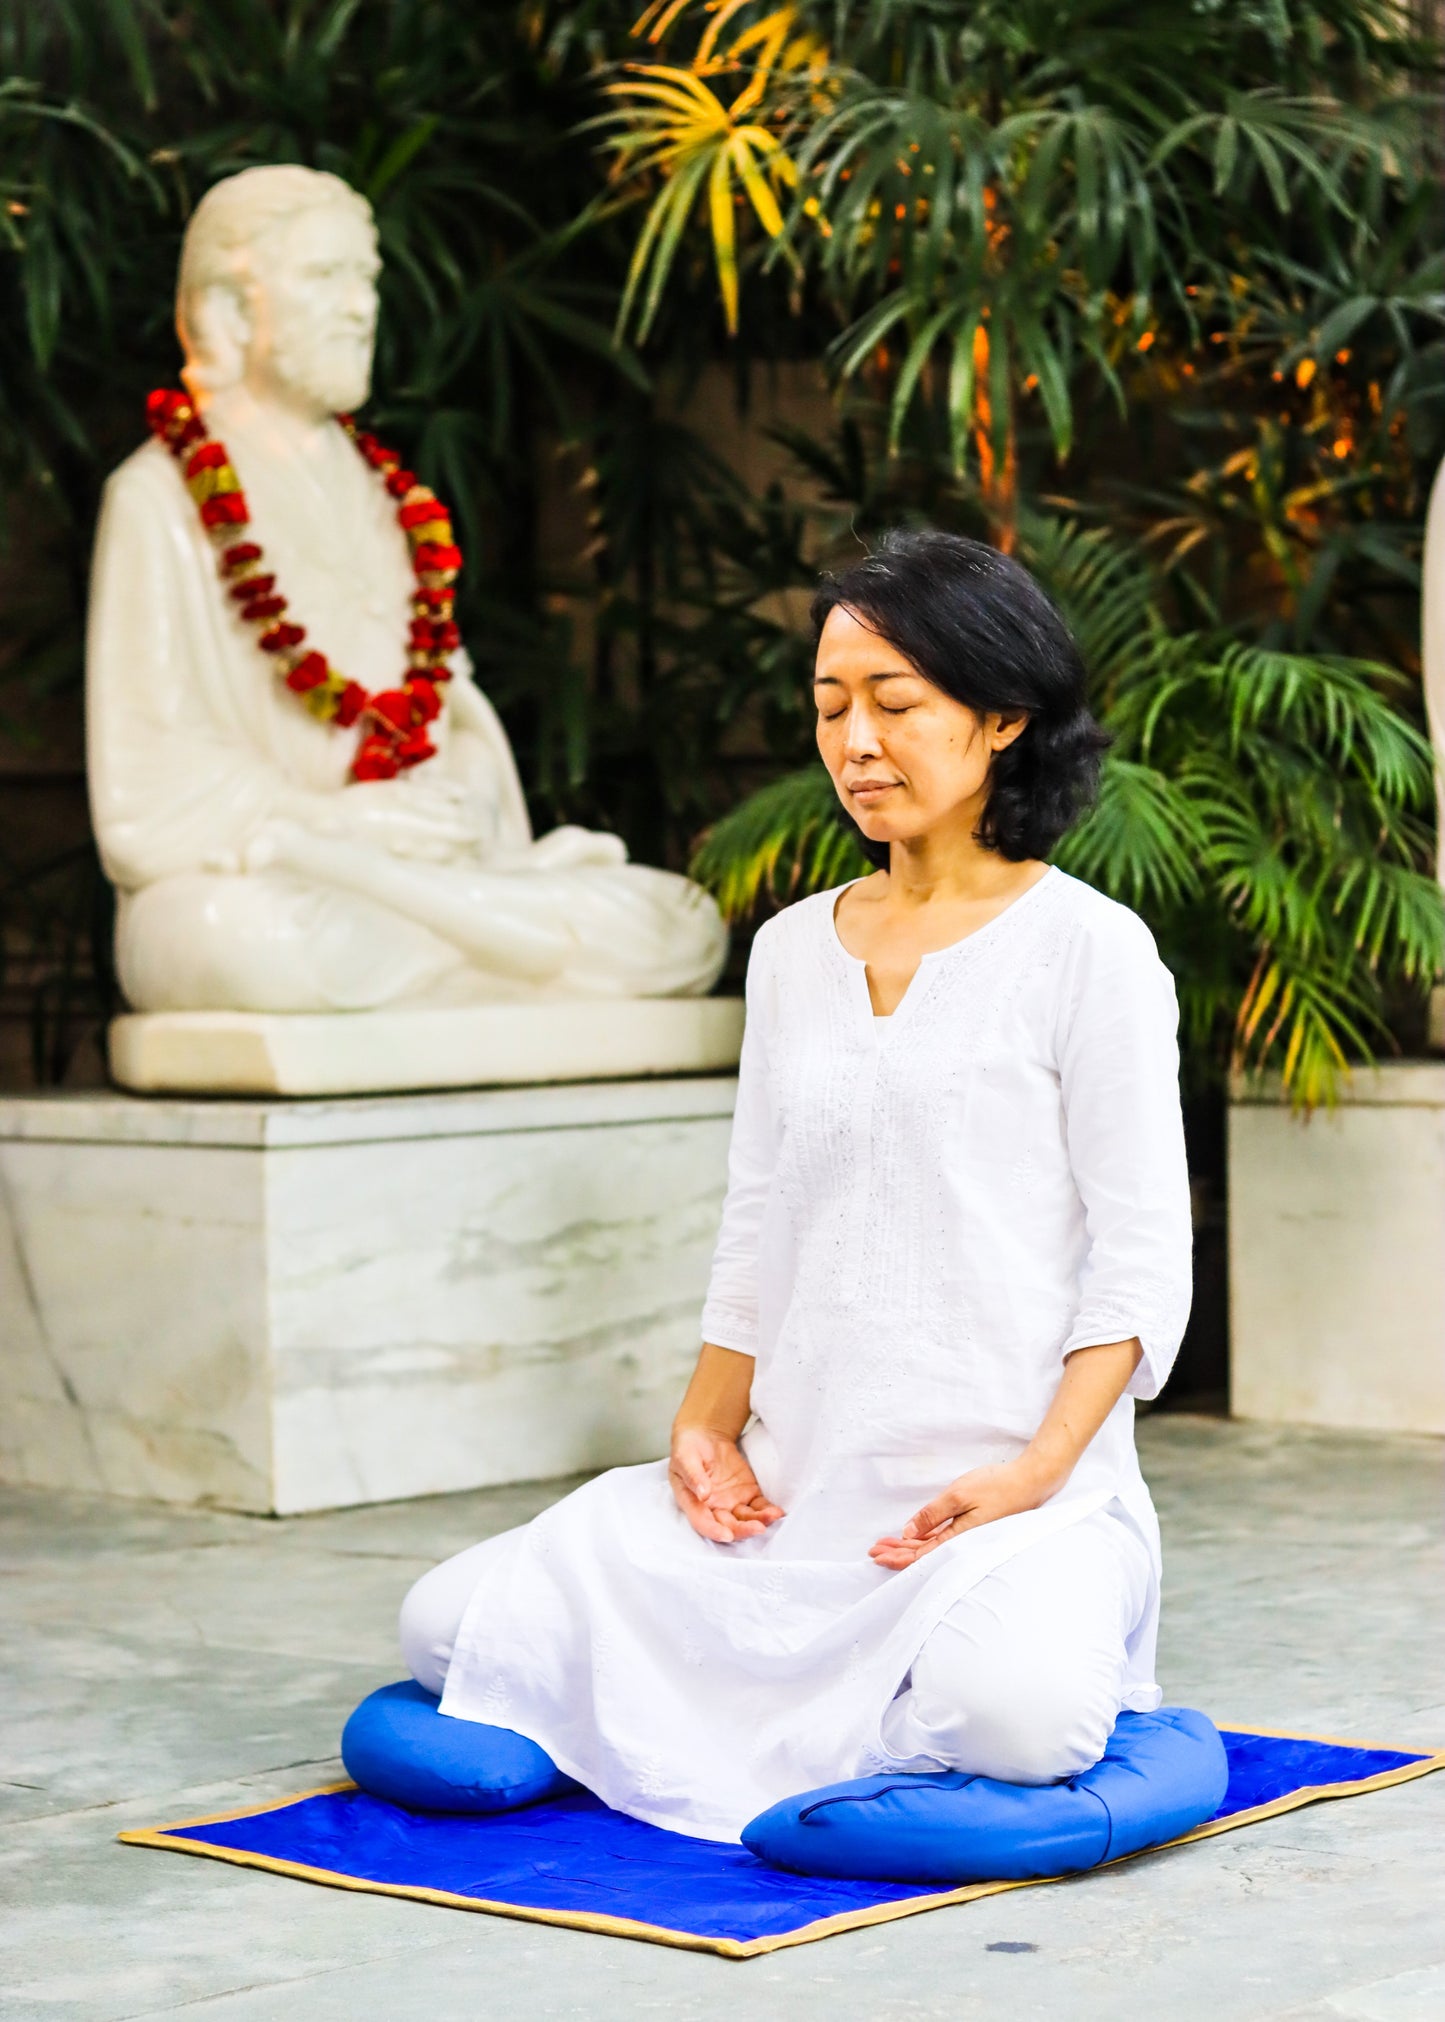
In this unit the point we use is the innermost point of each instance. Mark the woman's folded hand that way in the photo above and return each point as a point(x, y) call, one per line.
point(715, 1488)
point(981, 1496)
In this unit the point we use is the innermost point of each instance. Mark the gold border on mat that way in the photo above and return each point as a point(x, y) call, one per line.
point(806, 1934)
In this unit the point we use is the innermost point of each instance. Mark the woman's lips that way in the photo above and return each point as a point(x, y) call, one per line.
point(871, 789)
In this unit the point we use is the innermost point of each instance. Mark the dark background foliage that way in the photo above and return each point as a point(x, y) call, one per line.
point(1253, 408)
point(1245, 418)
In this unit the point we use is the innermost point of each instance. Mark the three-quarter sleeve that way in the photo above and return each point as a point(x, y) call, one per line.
point(1119, 1074)
point(730, 1312)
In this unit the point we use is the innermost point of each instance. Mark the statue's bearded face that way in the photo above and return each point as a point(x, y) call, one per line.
point(313, 308)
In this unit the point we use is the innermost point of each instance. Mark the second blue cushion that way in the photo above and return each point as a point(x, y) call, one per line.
point(1162, 1774)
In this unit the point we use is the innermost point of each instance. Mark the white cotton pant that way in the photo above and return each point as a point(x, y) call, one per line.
point(1022, 1679)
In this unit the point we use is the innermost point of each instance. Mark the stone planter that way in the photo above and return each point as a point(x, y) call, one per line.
point(1337, 1255)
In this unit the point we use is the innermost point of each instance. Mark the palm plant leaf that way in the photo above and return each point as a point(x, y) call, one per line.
point(669, 122)
point(786, 839)
point(1220, 222)
point(1143, 842)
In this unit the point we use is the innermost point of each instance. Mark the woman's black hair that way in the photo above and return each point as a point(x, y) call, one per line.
point(979, 627)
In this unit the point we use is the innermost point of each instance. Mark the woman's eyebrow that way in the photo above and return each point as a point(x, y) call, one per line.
point(884, 674)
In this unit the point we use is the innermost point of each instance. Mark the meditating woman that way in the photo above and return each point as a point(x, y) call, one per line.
point(903, 1525)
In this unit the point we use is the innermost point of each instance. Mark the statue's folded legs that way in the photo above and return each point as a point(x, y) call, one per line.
point(334, 926)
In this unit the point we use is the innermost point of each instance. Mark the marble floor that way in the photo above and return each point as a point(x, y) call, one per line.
point(156, 1664)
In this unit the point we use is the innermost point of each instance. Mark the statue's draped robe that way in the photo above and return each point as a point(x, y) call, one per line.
point(195, 746)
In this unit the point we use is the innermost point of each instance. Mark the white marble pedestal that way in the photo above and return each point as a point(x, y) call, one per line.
point(482, 1046)
point(1337, 1255)
point(291, 1306)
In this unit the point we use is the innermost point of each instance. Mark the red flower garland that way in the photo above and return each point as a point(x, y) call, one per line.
point(394, 720)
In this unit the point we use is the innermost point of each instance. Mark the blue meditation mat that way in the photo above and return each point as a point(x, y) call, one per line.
point(572, 1861)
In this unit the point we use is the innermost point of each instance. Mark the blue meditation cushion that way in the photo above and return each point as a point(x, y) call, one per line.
point(1161, 1775)
point(398, 1746)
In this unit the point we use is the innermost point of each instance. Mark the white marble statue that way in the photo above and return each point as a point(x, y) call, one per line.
point(254, 874)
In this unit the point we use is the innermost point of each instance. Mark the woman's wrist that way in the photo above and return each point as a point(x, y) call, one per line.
point(1094, 1380)
point(1044, 1467)
point(717, 1402)
point(710, 1428)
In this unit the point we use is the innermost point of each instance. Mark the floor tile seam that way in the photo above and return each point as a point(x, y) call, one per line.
point(289, 1543)
point(203, 2001)
point(145, 1801)
point(251, 1533)
point(281, 1532)
point(56, 1582)
point(287, 1550)
point(116, 1506)
point(158, 1642)
point(1336, 1528)
point(422, 1552)
point(1354, 1534)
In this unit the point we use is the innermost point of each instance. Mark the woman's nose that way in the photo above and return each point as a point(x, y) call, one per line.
point(860, 736)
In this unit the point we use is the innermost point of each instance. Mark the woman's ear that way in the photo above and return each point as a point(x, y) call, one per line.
point(1001, 727)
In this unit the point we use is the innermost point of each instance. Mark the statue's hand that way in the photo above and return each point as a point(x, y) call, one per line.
point(568, 847)
point(430, 819)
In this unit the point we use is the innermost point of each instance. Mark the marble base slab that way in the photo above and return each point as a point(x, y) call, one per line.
point(282, 1307)
point(488, 1045)
point(1337, 1255)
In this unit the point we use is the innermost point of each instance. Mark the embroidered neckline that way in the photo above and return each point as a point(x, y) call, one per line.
point(1051, 875)
point(922, 976)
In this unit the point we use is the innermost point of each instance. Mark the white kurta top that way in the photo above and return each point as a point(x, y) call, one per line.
point(925, 1215)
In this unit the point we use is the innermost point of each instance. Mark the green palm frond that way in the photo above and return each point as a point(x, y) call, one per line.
point(1307, 1024)
point(1107, 593)
point(1144, 841)
point(1391, 914)
point(785, 840)
point(1346, 710)
point(669, 125)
